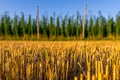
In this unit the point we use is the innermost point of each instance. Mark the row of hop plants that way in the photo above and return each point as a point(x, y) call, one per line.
point(60, 60)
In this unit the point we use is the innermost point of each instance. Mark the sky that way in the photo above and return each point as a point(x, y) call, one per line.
point(61, 7)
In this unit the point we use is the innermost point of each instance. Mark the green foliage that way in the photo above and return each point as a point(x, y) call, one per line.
point(23, 25)
point(63, 28)
point(44, 24)
point(118, 24)
point(30, 28)
point(77, 26)
point(96, 27)
point(2, 27)
point(69, 28)
point(58, 28)
point(91, 28)
point(8, 26)
point(52, 28)
point(104, 28)
point(15, 26)
point(86, 29)
point(34, 26)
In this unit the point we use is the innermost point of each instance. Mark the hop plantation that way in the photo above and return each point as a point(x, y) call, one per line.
point(59, 27)
point(81, 60)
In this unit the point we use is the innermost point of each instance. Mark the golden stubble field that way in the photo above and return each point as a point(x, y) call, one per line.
point(60, 60)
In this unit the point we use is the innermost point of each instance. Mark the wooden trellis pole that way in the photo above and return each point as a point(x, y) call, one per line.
point(84, 20)
point(37, 19)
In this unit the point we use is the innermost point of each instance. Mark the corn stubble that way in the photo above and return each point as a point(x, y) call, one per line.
point(60, 60)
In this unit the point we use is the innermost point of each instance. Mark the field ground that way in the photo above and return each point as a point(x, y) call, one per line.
point(60, 60)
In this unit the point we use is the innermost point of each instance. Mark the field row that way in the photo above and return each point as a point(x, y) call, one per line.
point(60, 60)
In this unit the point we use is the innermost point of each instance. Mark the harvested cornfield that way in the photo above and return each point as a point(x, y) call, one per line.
point(77, 60)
